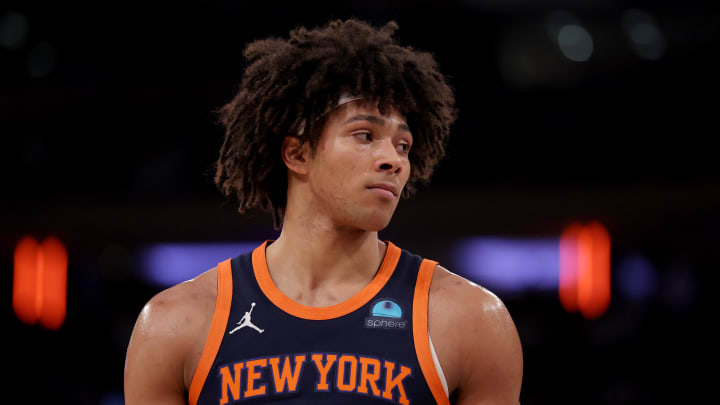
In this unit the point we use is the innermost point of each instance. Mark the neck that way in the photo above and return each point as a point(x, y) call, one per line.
point(313, 256)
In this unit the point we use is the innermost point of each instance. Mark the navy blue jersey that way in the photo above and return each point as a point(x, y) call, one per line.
point(373, 348)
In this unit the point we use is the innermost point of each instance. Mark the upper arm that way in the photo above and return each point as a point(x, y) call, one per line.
point(155, 355)
point(491, 364)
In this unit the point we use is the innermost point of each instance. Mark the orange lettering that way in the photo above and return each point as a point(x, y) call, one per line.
point(230, 381)
point(391, 383)
point(253, 375)
point(288, 376)
point(366, 377)
point(345, 359)
point(322, 385)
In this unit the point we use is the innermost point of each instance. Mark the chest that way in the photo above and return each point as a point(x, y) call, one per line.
point(250, 329)
point(269, 354)
point(371, 347)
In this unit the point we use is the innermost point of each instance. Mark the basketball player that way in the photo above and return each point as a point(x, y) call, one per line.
point(328, 130)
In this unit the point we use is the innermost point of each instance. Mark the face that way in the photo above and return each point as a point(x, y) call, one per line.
point(361, 165)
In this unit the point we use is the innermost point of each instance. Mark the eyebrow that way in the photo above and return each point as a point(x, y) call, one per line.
point(374, 120)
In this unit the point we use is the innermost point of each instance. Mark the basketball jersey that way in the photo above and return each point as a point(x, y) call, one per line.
point(373, 348)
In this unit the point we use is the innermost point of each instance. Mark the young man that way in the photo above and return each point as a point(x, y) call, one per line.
point(328, 130)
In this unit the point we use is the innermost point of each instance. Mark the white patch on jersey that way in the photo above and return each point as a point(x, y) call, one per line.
point(245, 321)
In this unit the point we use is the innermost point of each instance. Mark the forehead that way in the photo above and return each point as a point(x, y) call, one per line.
point(363, 107)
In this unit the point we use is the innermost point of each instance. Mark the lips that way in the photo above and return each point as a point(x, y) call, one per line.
point(385, 186)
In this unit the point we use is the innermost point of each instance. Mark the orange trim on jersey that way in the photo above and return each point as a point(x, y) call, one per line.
point(217, 330)
point(420, 332)
point(262, 275)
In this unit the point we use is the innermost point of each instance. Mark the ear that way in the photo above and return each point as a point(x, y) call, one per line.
point(295, 155)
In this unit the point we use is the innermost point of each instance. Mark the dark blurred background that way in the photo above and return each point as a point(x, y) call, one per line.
point(598, 110)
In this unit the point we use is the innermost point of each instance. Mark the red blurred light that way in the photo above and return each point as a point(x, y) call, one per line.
point(584, 281)
point(40, 282)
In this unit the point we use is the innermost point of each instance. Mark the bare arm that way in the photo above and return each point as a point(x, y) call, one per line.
point(494, 363)
point(155, 357)
point(485, 346)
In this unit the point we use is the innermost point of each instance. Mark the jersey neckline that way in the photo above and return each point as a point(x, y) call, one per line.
point(285, 303)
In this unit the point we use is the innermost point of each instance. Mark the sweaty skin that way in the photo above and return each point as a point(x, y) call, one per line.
point(331, 223)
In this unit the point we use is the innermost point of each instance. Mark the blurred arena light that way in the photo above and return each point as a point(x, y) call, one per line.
point(574, 41)
point(509, 265)
point(637, 278)
point(167, 264)
point(13, 30)
point(112, 398)
point(585, 269)
point(40, 282)
point(646, 39)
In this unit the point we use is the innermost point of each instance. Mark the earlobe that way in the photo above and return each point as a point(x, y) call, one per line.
point(294, 154)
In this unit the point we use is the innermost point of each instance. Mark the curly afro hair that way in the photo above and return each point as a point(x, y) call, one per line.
point(292, 81)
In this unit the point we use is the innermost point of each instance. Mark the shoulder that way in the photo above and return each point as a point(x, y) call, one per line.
point(177, 308)
point(464, 298)
point(169, 331)
point(478, 327)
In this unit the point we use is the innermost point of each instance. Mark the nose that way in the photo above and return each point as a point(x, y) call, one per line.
point(387, 158)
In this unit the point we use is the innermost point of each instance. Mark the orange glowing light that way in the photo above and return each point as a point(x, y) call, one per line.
point(40, 282)
point(584, 281)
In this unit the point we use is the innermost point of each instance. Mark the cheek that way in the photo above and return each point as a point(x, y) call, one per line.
point(344, 175)
point(337, 177)
point(343, 164)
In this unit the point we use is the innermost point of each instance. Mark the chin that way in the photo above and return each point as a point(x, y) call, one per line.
point(371, 222)
point(376, 226)
point(376, 222)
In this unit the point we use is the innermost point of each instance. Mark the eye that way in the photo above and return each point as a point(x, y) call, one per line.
point(365, 136)
point(404, 147)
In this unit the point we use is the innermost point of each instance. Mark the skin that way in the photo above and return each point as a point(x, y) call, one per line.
point(328, 250)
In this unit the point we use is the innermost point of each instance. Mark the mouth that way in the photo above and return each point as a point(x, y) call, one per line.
point(385, 188)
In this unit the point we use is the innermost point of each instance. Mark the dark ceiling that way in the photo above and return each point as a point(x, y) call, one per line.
point(123, 112)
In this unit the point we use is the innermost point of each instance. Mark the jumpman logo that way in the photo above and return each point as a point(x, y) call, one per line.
point(245, 321)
